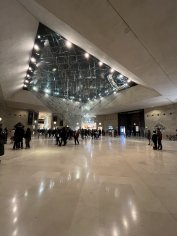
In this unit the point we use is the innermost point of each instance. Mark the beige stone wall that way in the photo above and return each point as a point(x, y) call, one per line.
point(107, 120)
point(165, 116)
point(12, 116)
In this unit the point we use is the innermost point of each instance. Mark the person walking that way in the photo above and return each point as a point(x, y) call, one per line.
point(76, 137)
point(159, 139)
point(28, 137)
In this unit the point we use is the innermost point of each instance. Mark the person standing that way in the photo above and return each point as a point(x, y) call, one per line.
point(159, 139)
point(28, 137)
point(149, 136)
point(154, 140)
point(1, 142)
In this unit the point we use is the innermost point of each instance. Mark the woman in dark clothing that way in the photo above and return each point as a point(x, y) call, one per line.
point(28, 137)
point(1, 142)
point(159, 139)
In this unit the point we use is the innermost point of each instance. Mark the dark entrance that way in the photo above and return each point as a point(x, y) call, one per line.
point(133, 121)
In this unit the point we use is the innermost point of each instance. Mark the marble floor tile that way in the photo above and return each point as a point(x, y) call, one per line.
point(106, 187)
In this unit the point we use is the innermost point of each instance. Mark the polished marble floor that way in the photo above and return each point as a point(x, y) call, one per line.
point(107, 187)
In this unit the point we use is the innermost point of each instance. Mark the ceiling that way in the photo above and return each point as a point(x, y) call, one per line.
point(135, 37)
point(63, 70)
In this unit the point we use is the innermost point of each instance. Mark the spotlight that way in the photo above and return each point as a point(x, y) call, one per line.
point(100, 63)
point(38, 36)
point(36, 47)
point(68, 44)
point(35, 88)
point(126, 84)
point(30, 69)
point(129, 80)
point(86, 55)
point(33, 59)
point(115, 92)
point(27, 81)
point(27, 75)
point(47, 90)
point(24, 85)
point(120, 76)
point(112, 70)
point(54, 69)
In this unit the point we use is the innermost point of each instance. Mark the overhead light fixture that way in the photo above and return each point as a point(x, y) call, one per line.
point(68, 44)
point(35, 88)
point(100, 63)
point(30, 69)
point(33, 59)
point(87, 55)
point(25, 85)
point(129, 80)
point(27, 75)
point(115, 92)
point(121, 76)
point(27, 81)
point(47, 91)
point(38, 36)
point(36, 47)
point(111, 70)
point(54, 69)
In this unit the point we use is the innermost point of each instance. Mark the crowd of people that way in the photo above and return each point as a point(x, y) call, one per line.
point(18, 134)
point(66, 133)
point(62, 135)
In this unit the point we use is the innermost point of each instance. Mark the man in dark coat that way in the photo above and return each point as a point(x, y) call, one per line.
point(154, 140)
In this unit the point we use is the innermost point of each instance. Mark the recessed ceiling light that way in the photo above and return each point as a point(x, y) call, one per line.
point(33, 59)
point(111, 70)
point(86, 55)
point(47, 90)
point(25, 85)
point(68, 44)
point(54, 69)
point(36, 47)
point(100, 63)
point(39, 36)
point(35, 88)
point(26, 81)
point(120, 76)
